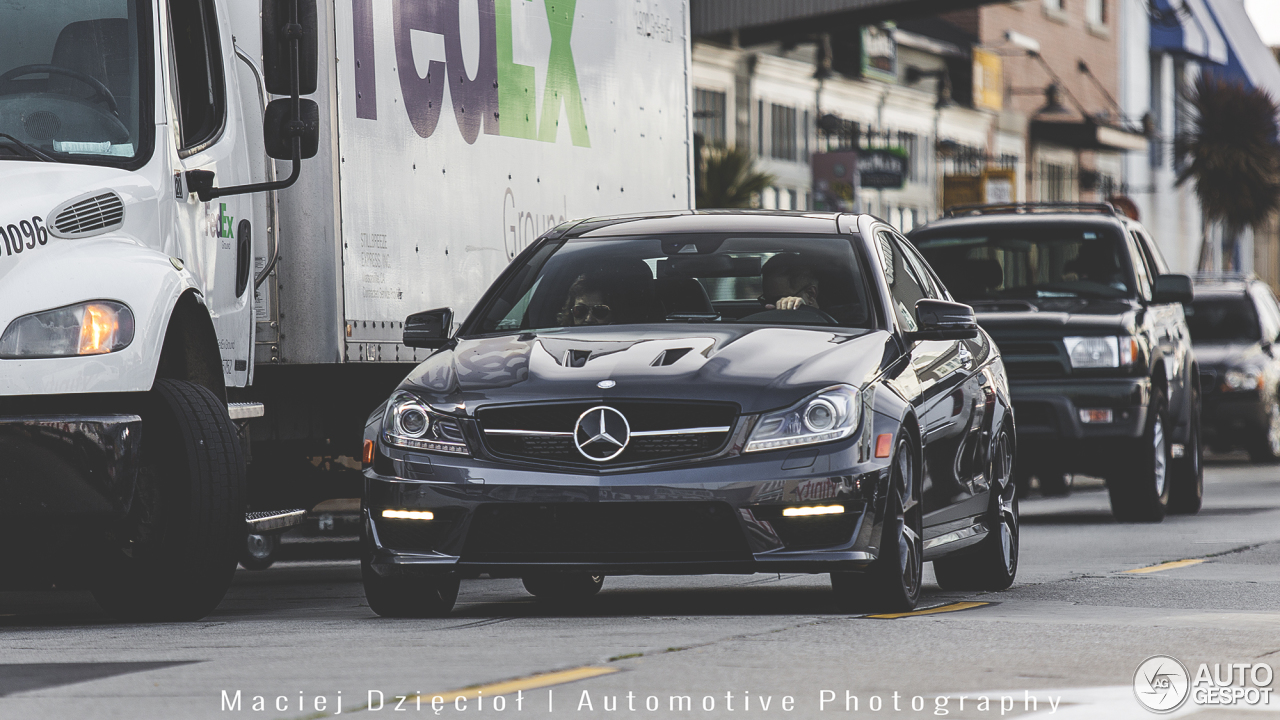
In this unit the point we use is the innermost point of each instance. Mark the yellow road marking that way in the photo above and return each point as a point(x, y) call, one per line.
point(930, 611)
point(532, 682)
point(1163, 566)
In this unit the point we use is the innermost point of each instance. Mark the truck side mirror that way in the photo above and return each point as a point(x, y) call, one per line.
point(429, 329)
point(1172, 289)
point(942, 320)
point(277, 31)
point(278, 129)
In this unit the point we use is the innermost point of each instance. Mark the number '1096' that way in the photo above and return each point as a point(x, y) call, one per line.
point(24, 236)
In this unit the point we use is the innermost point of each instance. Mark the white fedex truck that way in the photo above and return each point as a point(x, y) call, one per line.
point(189, 332)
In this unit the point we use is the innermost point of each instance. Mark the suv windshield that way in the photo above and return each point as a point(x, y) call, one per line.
point(1028, 262)
point(684, 279)
point(1222, 319)
point(73, 75)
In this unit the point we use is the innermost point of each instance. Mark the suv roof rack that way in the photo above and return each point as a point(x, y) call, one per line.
point(1103, 208)
point(1223, 277)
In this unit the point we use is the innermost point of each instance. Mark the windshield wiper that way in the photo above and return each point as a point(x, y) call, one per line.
point(30, 150)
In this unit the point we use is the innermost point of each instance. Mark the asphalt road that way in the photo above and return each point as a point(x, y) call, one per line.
point(1071, 633)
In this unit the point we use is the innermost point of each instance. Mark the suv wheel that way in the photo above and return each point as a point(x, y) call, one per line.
point(1186, 474)
point(993, 563)
point(1139, 485)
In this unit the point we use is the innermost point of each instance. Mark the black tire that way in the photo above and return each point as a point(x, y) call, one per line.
point(178, 549)
point(1054, 482)
point(260, 551)
point(992, 564)
point(892, 583)
point(409, 595)
point(1263, 445)
point(1139, 486)
point(564, 587)
point(1186, 474)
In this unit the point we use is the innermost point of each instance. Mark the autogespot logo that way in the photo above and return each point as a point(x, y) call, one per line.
point(1161, 684)
point(601, 433)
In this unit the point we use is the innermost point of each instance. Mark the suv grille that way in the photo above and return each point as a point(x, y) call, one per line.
point(1034, 359)
point(659, 431)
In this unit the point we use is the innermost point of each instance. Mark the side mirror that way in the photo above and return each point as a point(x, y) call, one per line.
point(942, 320)
point(277, 30)
point(1172, 289)
point(278, 129)
point(428, 329)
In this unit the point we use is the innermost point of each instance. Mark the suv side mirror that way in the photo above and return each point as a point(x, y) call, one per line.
point(1172, 289)
point(942, 320)
point(429, 329)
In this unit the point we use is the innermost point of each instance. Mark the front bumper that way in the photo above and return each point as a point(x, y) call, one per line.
point(1233, 416)
point(720, 516)
point(1050, 410)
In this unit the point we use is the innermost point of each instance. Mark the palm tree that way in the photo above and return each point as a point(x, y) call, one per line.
point(727, 177)
point(1232, 155)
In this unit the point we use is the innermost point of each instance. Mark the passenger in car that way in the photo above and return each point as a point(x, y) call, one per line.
point(789, 283)
point(619, 294)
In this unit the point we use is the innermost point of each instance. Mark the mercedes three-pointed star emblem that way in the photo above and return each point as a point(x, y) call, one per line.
point(601, 433)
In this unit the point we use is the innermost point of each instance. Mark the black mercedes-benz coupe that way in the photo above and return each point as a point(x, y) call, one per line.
point(697, 392)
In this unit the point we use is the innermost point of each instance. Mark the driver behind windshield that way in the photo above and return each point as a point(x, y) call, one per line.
point(789, 283)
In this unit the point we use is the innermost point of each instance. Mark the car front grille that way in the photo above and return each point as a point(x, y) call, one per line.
point(585, 532)
point(659, 431)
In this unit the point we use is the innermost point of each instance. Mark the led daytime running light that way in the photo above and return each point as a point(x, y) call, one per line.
point(813, 510)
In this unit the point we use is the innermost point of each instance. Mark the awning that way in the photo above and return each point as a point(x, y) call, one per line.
point(1187, 27)
point(1084, 135)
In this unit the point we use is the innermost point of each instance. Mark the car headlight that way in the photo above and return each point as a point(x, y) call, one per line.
point(829, 415)
point(1101, 352)
point(1243, 379)
point(89, 328)
point(409, 423)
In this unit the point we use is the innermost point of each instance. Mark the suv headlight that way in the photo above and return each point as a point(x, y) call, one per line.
point(1101, 352)
point(409, 423)
point(832, 414)
point(88, 328)
point(1243, 379)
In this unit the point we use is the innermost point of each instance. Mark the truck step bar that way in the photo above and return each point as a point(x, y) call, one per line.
point(273, 521)
point(245, 410)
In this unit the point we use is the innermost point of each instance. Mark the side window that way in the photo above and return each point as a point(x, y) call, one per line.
point(1141, 267)
point(905, 286)
point(932, 287)
point(1149, 249)
point(197, 70)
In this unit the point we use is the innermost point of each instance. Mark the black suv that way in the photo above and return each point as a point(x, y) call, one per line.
point(1234, 325)
point(1091, 326)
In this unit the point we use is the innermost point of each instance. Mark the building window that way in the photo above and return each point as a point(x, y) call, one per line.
point(1095, 11)
point(760, 128)
point(709, 116)
point(805, 130)
point(910, 142)
point(783, 132)
point(1053, 183)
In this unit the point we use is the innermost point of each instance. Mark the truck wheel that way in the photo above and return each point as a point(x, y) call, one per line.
point(1139, 486)
point(564, 587)
point(1264, 446)
point(260, 552)
point(892, 583)
point(409, 595)
point(992, 564)
point(1186, 474)
point(177, 551)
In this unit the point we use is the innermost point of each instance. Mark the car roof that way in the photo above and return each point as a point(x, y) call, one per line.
point(1220, 286)
point(1075, 219)
point(705, 221)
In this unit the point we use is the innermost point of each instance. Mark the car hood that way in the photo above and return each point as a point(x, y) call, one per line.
point(1229, 355)
point(757, 368)
point(1058, 317)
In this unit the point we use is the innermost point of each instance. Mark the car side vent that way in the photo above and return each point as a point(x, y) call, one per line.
point(576, 358)
point(87, 215)
point(670, 356)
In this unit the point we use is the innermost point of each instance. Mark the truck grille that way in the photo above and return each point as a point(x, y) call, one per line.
point(1034, 359)
point(88, 216)
point(659, 431)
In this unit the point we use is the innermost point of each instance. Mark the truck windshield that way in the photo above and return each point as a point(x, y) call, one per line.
point(766, 280)
point(1031, 263)
point(73, 80)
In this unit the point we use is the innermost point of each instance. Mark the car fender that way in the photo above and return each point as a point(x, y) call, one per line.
point(100, 268)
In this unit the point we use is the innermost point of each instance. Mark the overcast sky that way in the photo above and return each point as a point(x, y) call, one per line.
point(1266, 17)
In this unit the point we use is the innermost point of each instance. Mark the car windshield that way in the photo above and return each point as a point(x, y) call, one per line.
point(768, 280)
point(1222, 319)
point(1028, 262)
point(72, 80)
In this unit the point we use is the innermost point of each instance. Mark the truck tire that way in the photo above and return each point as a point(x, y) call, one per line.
point(563, 588)
point(1186, 474)
point(260, 551)
point(1139, 484)
point(177, 552)
point(410, 595)
point(992, 564)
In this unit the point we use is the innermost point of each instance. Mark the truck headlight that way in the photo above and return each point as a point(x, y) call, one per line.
point(1243, 380)
point(409, 423)
point(89, 328)
point(1101, 352)
point(832, 414)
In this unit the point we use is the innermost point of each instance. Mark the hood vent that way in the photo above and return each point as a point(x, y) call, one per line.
point(87, 215)
point(669, 357)
point(576, 358)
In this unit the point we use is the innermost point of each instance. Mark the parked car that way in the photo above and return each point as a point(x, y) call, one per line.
point(1235, 323)
point(697, 392)
point(1090, 323)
